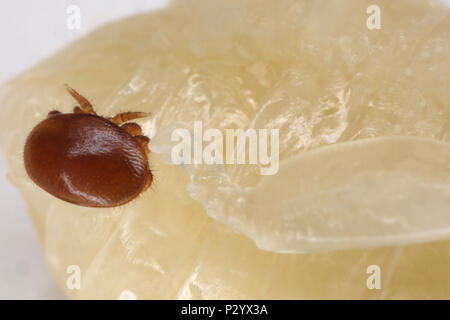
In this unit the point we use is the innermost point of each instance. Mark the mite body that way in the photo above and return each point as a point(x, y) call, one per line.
point(87, 159)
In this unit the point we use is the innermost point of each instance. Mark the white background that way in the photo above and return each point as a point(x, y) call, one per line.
point(29, 31)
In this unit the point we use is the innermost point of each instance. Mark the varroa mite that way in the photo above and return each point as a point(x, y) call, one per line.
point(87, 159)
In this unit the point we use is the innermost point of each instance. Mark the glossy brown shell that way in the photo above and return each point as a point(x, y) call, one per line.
point(86, 160)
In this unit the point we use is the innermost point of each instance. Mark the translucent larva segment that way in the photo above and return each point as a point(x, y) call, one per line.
point(365, 193)
point(308, 67)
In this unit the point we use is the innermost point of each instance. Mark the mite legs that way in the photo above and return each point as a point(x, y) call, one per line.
point(143, 141)
point(85, 105)
point(77, 109)
point(53, 113)
point(132, 128)
point(126, 116)
point(136, 131)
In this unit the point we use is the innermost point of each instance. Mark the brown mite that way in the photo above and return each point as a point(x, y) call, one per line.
point(87, 159)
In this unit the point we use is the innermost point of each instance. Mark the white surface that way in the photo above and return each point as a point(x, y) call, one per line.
point(29, 32)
